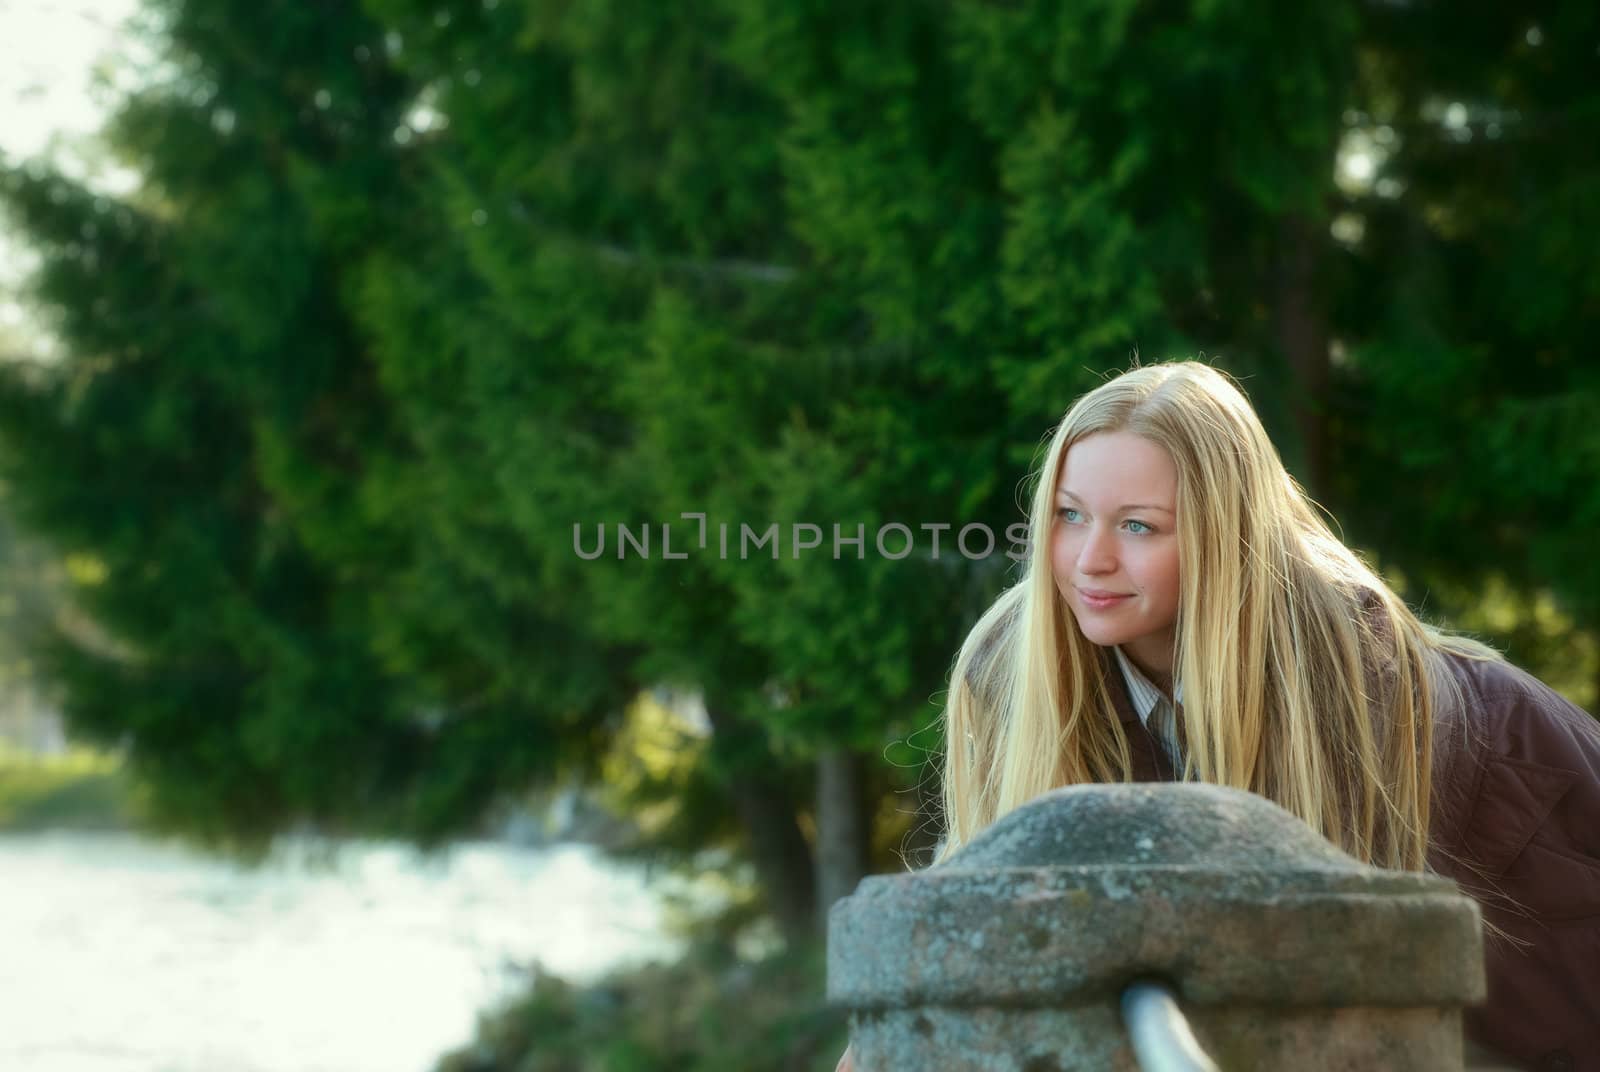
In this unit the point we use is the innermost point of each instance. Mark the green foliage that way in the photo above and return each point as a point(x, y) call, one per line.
point(1469, 304)
point(272, 643)
point(411, 291)
point(711, 1011)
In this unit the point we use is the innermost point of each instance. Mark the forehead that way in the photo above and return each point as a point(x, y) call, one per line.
point(1119, 467)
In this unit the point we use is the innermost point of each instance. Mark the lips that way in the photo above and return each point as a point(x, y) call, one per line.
point(1097, 600)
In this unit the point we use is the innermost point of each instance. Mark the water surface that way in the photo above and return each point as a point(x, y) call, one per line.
point(122, 954)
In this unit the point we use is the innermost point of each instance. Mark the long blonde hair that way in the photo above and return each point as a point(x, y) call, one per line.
point(1305, 678)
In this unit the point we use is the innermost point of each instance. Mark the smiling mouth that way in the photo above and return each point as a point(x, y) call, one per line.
point(1102, 599)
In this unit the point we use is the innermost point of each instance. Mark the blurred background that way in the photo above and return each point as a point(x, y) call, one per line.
point(334, 335)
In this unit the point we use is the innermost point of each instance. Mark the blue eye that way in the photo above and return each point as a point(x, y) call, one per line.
point(1138, 528)
point(1067, 513)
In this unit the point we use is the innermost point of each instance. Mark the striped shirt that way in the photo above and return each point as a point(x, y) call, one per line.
point(1155, 710)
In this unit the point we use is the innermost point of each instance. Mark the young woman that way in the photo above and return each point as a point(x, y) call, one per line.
point(1186, 612)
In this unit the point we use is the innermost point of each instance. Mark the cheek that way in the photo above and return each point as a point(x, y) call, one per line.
point(1060, 557)
point(1168, 578)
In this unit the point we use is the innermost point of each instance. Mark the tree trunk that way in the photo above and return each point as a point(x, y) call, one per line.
point(1594, 705)
point(777, 846)
point(1303, 336)
point(843, 827)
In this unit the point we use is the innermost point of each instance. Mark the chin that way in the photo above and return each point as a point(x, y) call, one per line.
point(1097, 633)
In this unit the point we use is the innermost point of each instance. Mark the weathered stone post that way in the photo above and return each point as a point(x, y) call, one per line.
point(1284, 952)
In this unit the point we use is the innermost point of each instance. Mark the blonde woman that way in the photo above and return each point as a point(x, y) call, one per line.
point(1186, 613)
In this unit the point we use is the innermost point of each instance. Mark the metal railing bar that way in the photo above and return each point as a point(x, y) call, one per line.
point(1162, 1038)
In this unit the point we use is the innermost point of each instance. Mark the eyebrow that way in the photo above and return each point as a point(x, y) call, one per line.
point(1123, 509)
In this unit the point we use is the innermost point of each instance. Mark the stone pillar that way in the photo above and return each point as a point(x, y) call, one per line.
point(1283, 951)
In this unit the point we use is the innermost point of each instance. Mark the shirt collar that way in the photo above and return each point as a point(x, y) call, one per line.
point(1141, 690)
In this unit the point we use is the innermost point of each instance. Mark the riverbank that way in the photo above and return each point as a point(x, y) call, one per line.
point(80, 789)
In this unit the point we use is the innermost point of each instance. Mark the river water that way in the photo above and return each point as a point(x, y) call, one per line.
point(123, 954)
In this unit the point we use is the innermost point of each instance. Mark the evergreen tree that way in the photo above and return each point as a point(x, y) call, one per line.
point(1467, 299)
point(218, 442)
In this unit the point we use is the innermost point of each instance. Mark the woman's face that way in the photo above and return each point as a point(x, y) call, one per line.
point(1114, 545)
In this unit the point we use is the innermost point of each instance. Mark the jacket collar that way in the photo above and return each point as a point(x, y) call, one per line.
point(1150, 762)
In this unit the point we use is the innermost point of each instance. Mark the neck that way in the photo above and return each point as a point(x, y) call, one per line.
point(1153, 657)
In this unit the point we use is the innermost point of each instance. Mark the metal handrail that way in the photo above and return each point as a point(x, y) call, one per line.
point(1162, 1038)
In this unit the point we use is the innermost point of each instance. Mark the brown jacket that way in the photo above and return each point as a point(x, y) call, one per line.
point(1516, 822)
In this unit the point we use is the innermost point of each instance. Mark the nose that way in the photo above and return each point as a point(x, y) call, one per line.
point(1097, 556)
